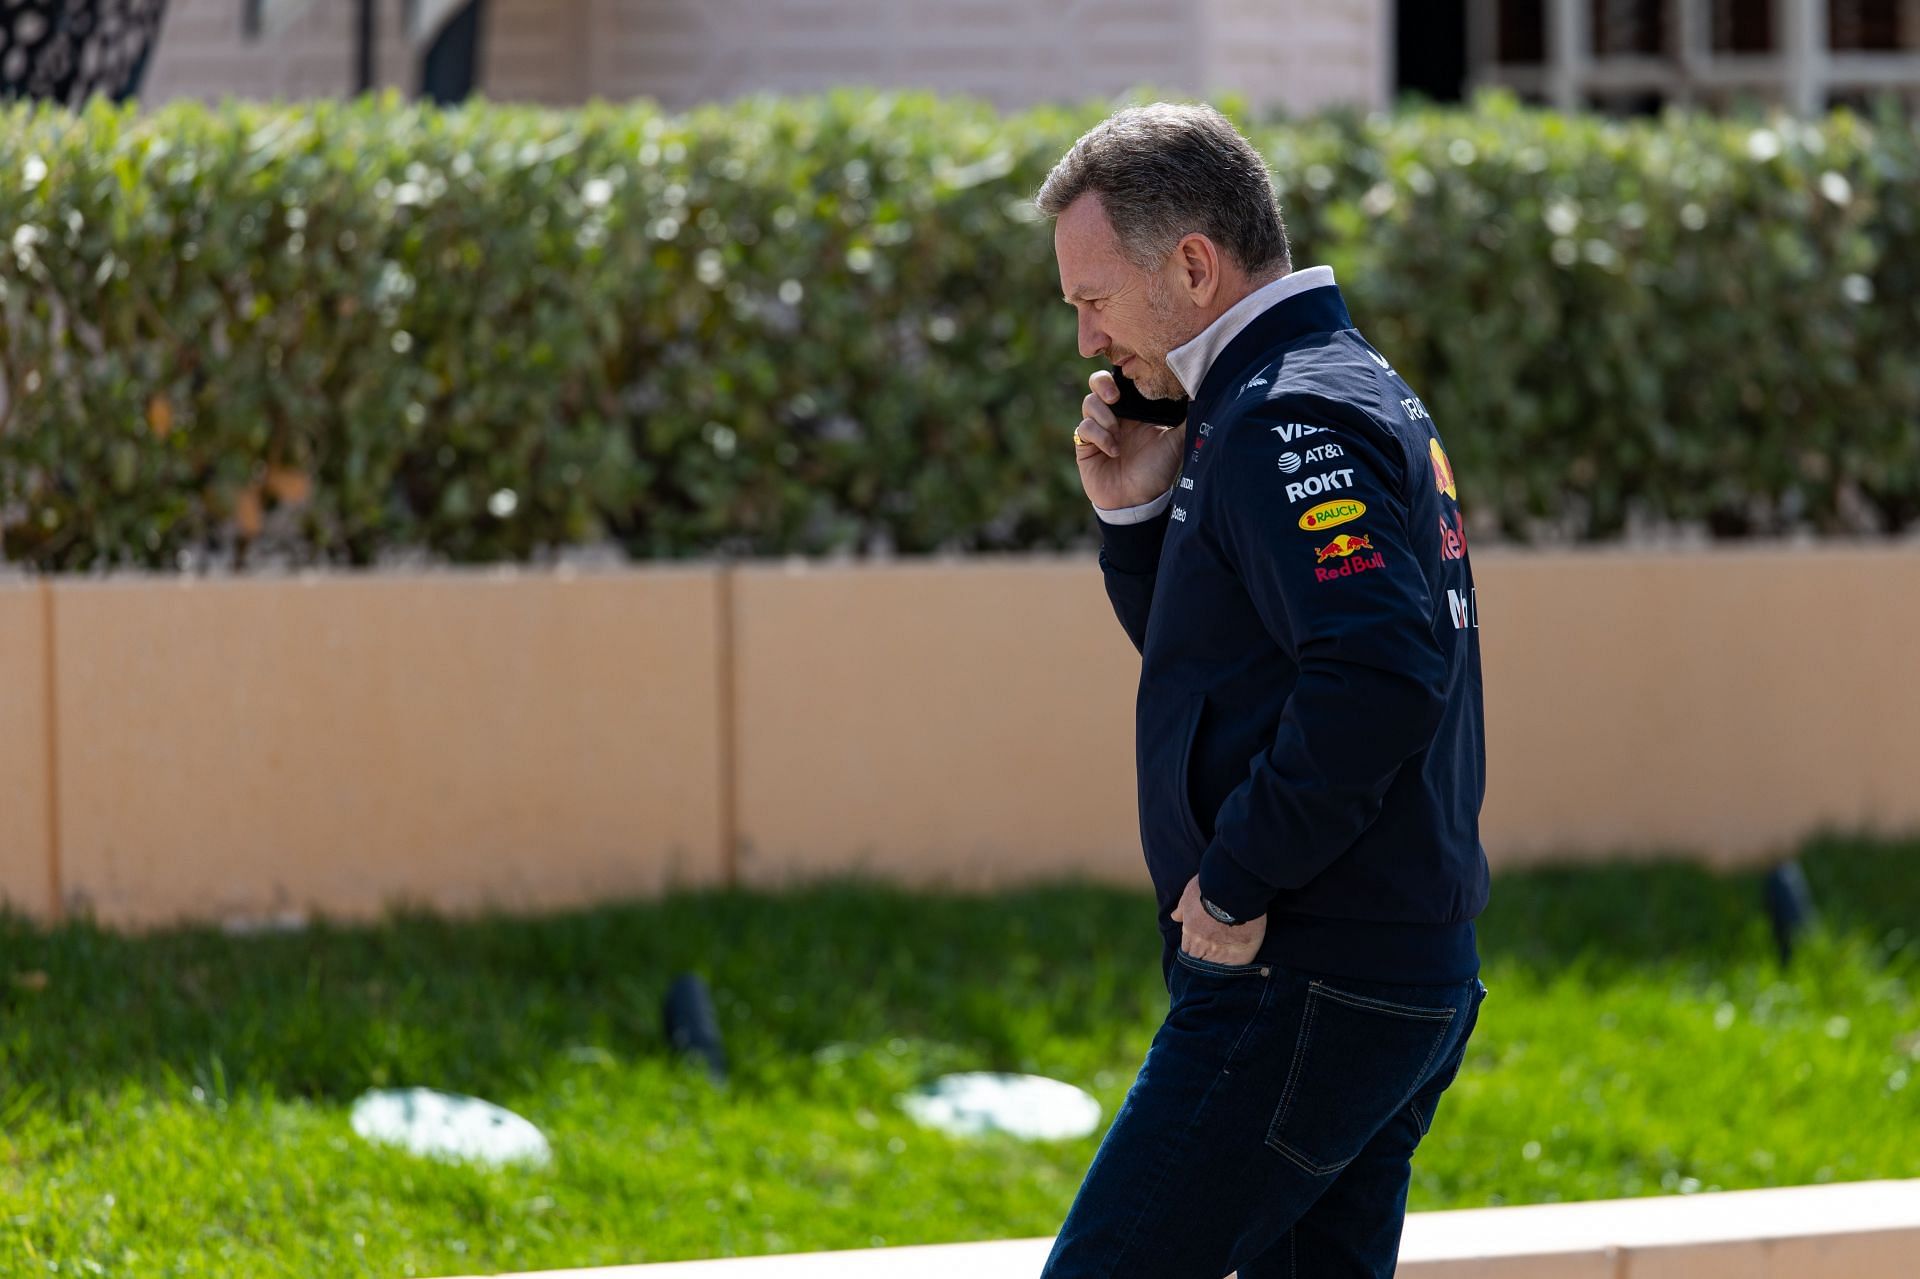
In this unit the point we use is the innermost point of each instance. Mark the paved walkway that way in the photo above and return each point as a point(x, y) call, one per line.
point(1861, 1230)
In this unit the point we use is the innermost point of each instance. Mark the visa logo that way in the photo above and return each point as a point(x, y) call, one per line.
point(1296, 430)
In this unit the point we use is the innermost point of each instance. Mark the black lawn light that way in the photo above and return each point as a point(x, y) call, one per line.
point(691, 1026)
point(1789, 905)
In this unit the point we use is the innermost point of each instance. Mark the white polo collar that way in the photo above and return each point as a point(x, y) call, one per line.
point(1191, 360)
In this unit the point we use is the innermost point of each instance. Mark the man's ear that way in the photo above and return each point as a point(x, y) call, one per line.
point(1198, 262)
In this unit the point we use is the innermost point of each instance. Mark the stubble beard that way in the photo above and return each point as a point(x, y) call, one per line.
point(1153, 376)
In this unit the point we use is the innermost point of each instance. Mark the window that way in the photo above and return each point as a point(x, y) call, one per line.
point(1629, 28)
point(1742, 26)
point(1872, 25)
point(1520, 33)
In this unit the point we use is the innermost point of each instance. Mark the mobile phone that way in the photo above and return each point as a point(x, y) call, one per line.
point(1138, 408)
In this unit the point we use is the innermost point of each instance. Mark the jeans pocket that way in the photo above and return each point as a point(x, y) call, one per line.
point(1358, 1059)
point(1217, 1006)
point(1427, 1100)
point(1257, 968)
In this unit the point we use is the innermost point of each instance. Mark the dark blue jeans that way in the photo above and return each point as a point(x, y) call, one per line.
point(1270, 1130)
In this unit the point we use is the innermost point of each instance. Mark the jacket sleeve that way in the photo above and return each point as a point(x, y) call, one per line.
point(1320, 538)
point(1130, 561)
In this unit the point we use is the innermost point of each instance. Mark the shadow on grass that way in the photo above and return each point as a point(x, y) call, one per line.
point(1626, 914)
point(485, 1005)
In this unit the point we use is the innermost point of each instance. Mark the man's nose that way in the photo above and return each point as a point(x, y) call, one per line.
point(1092, 340)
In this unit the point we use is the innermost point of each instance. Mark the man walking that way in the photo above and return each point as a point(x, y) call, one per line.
point(1293, 569)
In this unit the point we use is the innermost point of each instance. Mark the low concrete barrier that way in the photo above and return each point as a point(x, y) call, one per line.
point(202, 749)
point(250, 747)
point(1863, 1230)
point(29, 846)
point(967, 723)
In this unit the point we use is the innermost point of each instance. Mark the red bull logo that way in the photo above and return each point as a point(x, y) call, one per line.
point(1342, 546)
point(1345, 549)
point(1352, 567)
point(1453, 538)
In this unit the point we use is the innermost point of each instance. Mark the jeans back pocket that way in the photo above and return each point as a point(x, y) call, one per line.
point(1358, 1059)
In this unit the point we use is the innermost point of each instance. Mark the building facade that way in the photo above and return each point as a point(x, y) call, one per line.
point(1293, 55)
point(1636, 55)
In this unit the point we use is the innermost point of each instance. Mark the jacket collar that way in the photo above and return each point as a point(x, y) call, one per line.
point(1320, 310)
point(1192, 360)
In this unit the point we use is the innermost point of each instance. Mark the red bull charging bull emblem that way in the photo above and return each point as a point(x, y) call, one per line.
point(1342, 546)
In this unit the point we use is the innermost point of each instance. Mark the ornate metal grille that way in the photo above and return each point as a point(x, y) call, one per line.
point(67, 50)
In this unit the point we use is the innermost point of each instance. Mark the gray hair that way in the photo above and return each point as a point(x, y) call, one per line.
point(1167, 170)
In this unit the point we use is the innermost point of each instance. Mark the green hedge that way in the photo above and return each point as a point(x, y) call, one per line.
point(336, 332)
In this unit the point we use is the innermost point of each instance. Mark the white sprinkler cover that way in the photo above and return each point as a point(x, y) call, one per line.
point(1029, 1106)
point(443, 1125)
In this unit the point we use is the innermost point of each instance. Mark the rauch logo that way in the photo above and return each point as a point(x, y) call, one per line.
point(1329, 514)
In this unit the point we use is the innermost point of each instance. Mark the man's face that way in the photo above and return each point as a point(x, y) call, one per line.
point(1129, 315)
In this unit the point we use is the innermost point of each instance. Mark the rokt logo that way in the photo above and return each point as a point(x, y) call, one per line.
point(1315, 485)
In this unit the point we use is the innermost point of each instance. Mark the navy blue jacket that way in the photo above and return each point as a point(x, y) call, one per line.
point(1308, 728)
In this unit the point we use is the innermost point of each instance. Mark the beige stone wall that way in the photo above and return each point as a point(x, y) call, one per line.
point(1721, 702)
point(28, 850)
point(968, 723)
point(252, 747)
point(212, 749)
point(682, 52)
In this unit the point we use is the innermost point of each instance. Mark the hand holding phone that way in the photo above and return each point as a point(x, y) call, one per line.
point(1136, 407)
point(1124, 460)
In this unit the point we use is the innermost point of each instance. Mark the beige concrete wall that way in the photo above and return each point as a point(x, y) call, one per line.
point(27, 848)
point(346, 742)
point(973, 722)
point(683, 52)
point(339, 743)
point(967, 722)
point(1723, 701)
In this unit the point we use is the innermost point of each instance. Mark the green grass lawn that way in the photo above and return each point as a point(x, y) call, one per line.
point(177, 1104)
